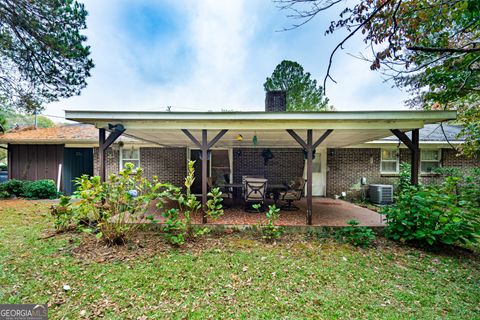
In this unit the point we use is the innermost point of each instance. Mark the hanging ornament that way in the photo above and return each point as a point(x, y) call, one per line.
point(255, 140)
point(239, 138)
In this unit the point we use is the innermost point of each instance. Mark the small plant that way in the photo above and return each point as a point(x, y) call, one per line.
point(214, 204)
point(64, 215)
point(355, 235)
point(270, 231)
point(404, 180)
point(178, 225)
point(175, 229)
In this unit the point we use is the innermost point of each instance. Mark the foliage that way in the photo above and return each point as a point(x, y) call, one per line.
point(428, 47)
point(111, 209)
point(39, 189)
point(303, 94)
point(471, 132)
point(447, 213)
point(175, 228)
point(355, 235)
point(12, 187)
point(405, 177)
point(214, 204)
point(42, 51)
point(125, 198)
point(3, 123)
point(270, 231)
point(13, 119)
point(65, 218)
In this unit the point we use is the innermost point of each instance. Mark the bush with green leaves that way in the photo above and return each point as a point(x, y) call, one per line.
point(270, 231)
point(214, 204)
point(40, 189)
point(11, 187)
point(178, 225)
point(404, 179)
point(446, 213)
point(65, 217)
point(356, 235)
point(112, 209)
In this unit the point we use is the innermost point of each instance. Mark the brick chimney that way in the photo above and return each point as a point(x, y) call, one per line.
point(276, 101)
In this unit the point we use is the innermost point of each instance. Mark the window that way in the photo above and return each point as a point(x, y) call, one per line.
point(131, 155)
point(429, 160)
point(389, 161)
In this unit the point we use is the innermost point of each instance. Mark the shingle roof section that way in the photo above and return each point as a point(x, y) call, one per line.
point(434, 132)
point(71, 132)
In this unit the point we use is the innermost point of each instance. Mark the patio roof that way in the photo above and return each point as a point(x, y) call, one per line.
point(350, 127)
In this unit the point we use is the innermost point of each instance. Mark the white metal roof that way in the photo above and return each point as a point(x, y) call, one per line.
point(350, 127)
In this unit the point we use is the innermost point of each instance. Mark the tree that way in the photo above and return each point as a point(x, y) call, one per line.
point(303, 93)
point(429, 47)
point(43, 56)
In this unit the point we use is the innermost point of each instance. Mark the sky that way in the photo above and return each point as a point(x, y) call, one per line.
point(213, 55)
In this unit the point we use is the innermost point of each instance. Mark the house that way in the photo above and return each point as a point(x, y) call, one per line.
point(334, 149)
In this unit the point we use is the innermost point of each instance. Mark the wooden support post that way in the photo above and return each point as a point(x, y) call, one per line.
point(104, 143)
point(101, 154)
point(414, 146)
point(310, 147)
point(204, 147)
point(309, 175)
point(415, 156)
point(204, 173)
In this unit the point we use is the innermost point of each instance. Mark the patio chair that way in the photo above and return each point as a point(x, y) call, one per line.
point(254, 192)
point(294, 193)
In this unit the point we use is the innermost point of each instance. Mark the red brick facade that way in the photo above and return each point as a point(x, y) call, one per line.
point(345, 166)
point(286, 164)
point(169, 164)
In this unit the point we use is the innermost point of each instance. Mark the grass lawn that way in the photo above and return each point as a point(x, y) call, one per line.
point(228, 276)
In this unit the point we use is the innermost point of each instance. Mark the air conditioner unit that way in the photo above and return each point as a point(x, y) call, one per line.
point(381, 193)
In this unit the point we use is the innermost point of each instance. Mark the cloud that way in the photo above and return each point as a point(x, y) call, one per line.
point(209, 55)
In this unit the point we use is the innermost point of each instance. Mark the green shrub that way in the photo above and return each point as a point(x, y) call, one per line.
point(214, 204)
point(447, 213)
point(112, 209)
point(65, 217)
point(355, 235)
point(12, 187)
point(40, 189)
point(270, 231)
point(177, 227)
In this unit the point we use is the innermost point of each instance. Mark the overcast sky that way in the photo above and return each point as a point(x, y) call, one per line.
point(212, 55)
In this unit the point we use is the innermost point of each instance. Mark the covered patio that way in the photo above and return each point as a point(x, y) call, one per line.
point(326, 212)
point(306, 130)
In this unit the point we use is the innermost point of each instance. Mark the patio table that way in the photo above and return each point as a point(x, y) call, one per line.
point(275, 189)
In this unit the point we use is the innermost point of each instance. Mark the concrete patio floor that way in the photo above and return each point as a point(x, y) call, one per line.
point(326, 213)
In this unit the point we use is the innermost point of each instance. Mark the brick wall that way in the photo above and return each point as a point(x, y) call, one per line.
point(347, 166)
point(112, 157)
point(169, 164)
point(286, 164)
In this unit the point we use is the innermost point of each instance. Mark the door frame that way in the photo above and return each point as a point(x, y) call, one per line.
point(209, 168)
point(323, 172)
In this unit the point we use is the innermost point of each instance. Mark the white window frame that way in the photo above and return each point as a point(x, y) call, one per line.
point(397, 161)
point(120, 165)
point(439, 161)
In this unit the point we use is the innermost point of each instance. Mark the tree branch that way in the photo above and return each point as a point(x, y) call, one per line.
point(450, 50)
point(327, 76)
